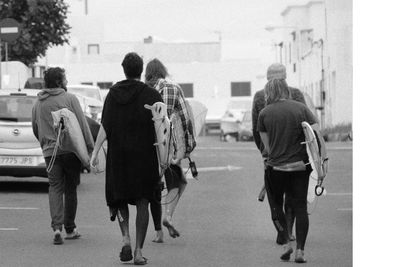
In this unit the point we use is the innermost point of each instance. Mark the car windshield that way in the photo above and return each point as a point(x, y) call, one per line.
point(16, 108)
point(88, 92)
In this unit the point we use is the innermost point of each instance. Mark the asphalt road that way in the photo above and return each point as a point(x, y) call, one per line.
point(219, 218)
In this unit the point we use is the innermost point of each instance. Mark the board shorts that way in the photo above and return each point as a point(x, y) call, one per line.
point(174, 177)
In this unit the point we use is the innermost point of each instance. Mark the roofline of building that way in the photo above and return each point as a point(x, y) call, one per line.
point(290, 7)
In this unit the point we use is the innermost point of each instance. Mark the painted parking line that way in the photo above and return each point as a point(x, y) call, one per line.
point(211, 169)
point(18, 208)
point(8, 229)
point(345, 209)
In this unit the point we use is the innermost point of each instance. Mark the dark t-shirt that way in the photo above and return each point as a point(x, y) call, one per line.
point(282, 122)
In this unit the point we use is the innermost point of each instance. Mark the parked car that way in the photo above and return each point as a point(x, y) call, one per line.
point(246, 127)
point(20, 152)
point(235, 121)
point(90, 98)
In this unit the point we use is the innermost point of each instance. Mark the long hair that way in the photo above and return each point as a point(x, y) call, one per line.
point(155, 70)
point(275, 90)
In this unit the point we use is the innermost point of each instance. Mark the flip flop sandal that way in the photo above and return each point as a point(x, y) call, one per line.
point(140, 262)
point(126, 253)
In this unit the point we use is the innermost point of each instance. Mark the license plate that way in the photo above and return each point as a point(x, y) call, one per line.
point(17, 161)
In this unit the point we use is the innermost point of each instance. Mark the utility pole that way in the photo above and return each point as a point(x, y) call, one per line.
point(86, 7)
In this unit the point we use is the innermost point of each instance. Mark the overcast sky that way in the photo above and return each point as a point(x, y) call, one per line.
point(240, 22)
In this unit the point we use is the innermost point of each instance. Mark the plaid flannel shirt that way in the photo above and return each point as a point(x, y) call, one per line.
point(173, 97)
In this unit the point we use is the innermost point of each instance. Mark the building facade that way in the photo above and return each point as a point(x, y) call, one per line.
point(94, 57)
point(316, 48)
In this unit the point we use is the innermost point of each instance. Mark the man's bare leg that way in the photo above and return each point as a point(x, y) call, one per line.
point(123, 220)
point(142, 221)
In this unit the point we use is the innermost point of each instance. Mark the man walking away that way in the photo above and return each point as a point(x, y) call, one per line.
point(64, 175)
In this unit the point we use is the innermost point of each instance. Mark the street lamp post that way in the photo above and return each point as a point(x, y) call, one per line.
point(299, 49)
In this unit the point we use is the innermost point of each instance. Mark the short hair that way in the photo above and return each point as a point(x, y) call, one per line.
point(53, 77)
point(155, 70)
point(132, 65)
point(275, 90)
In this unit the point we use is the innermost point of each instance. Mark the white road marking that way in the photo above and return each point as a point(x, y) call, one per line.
point(226, 148)
point(340, 148)
point(8, 229)
point(345, 209)
point(18, 208)
point(210, 169)
point(339, 194)
point(255, 148)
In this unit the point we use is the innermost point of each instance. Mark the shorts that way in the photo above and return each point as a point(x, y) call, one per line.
point(174, 177)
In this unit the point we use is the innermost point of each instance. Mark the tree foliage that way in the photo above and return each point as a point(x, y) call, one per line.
point(43, 24)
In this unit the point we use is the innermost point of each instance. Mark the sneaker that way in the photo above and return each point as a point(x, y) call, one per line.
point(73, 235)
point(57, 238)
point(287, 250)
point(299, 258)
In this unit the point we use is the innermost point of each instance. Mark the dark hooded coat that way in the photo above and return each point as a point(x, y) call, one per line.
point(131, 165)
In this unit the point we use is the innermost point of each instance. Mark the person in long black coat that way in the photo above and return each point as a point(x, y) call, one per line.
point(131, 166)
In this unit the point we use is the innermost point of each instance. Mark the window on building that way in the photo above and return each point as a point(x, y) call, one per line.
point(294, 67)
point(187, 89)
point(240, 89)
point(87, 83)
point(93, 49)
point(104, 85)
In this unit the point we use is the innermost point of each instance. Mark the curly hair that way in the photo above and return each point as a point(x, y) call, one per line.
point(132, 65)
point(54, 77)
point(155, 70)
point(275, 90)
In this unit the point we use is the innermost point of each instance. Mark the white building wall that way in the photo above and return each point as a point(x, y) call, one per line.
point(340, 64)
point(333, 26)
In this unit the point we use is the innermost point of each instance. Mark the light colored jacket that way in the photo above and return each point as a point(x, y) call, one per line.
point(42, 122)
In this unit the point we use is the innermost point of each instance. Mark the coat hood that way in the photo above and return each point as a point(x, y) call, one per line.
point(45, 93)
point(126, 91)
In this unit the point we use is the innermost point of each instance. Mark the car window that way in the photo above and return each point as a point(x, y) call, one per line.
point(88, 92)
point(16, 108)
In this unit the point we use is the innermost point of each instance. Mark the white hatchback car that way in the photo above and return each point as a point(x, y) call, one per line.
point(20, 152)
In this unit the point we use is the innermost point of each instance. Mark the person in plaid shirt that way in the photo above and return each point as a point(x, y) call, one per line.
point(175, 179)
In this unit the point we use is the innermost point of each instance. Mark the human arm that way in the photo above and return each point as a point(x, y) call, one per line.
point(254, 117)
point(265, 141)
point(101, 137)
point(34, 123)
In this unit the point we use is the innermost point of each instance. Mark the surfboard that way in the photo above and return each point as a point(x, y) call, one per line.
point(71, 137)
point(315, 159)
point(197, 113)
point(162, 133)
